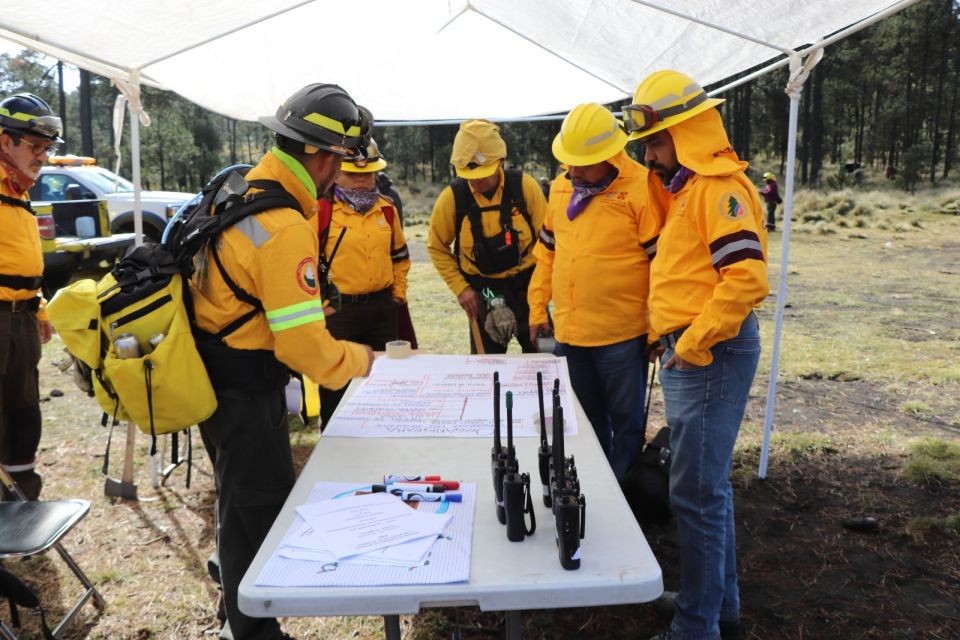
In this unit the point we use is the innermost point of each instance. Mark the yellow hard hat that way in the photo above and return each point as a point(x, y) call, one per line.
point(663, 99)
point(769, 176)
point(367, 162)
point(589, 134)
point(477, 149)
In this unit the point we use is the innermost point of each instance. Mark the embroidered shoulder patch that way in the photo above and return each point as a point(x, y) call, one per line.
point(732, 207)
point(307, 276)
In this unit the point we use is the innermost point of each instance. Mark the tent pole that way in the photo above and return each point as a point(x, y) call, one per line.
point(782, 292)
point(135, 164)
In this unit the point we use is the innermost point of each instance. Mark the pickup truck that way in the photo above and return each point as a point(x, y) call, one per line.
point(70, 177)
point(75, 236)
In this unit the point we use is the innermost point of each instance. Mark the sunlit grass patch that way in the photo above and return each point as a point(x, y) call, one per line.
point(920, 529)
point(933, 463)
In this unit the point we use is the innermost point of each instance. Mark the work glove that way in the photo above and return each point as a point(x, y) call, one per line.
point(501, 324)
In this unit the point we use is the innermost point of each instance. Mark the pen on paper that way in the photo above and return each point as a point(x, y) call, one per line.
point(411, 496)
point(464, 408)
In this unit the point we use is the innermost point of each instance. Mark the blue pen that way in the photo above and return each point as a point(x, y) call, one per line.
point(413, 496)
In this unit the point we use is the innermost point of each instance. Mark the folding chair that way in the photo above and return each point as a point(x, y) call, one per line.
point(29, 528)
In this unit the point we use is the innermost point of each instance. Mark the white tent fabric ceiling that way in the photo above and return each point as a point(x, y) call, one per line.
point(421, 59)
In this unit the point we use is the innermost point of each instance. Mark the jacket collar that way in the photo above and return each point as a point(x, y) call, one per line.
point(287, 171)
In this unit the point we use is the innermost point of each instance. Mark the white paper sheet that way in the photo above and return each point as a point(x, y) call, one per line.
point(368, 522)
point(452, 396)
point(446, 561)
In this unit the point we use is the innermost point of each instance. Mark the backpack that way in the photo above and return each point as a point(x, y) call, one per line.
point(502, 251)
point(134, 328)
point(646, 485)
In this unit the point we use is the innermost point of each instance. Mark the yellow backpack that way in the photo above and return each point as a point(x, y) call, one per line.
point(132, 328)
point(138, 344)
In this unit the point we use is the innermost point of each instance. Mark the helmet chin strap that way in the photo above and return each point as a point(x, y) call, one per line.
point(18, 181)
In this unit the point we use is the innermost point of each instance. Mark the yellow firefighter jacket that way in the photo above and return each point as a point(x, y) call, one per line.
point(273, 256)
point(711, 269)
point(595, 267)
point(442, 232)
point(373, 254)
point(20, 250)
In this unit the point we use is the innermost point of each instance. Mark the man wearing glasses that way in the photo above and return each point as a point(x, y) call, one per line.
point(490, 216)
point(709, 273)
point(29, 133)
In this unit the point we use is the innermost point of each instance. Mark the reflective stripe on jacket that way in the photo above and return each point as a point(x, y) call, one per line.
point(442, 232)
point(596, 267)
point(273, 256)
point(710, 270)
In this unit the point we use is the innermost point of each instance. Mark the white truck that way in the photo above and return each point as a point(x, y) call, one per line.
point(79, 178)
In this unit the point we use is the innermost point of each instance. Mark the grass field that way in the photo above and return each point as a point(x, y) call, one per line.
point(867, 423)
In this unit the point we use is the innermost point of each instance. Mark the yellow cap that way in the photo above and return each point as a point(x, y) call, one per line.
point(477, 149)
point(367, 163)
point(767, 175)
point(589, 134)
point(663, 99)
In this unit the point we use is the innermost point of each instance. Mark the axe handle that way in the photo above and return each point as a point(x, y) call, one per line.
point(127, 476)
point(477, 339)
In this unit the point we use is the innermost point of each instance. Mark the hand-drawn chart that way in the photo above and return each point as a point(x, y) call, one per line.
point(452, 396)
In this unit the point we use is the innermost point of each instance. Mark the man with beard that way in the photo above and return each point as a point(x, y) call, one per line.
point(29, 134)
point(709, 274)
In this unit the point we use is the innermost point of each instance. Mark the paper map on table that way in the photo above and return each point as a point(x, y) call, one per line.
point(448, 560)
point(452, 396)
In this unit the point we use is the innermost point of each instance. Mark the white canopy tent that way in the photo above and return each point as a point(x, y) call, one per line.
point(417, 60)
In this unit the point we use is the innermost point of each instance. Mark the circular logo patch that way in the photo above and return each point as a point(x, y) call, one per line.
point(732, 207)
point(307, 276)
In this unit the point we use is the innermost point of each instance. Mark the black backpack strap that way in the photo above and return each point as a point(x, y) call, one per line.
point(17, 202)
point(272, 196)
point(513, 199)
point(466, 207)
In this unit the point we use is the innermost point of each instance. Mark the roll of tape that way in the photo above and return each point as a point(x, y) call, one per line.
point(398, 349)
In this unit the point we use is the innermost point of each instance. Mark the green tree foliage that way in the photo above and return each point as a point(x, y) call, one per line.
point(882, 92)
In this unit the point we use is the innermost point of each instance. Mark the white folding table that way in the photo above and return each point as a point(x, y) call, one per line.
point(617, 564)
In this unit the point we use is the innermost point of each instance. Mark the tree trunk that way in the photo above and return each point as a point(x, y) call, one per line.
point(948, 151)
point(86, 116)
point(816, 150)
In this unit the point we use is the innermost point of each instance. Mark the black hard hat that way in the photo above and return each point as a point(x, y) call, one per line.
point(322, 116)
point(27, 113)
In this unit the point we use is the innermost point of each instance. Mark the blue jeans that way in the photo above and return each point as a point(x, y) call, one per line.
point(704, 407)
point(610, 382)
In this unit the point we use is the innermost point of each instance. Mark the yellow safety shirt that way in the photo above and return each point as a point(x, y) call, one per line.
point(20, 250)
point(596, 267)
point(273, 256)
point(710, 270)
point(442, 232)
point(373, 254)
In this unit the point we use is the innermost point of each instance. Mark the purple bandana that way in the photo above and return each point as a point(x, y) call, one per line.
point(679, 179)
point(583, 193)
point(360, 200)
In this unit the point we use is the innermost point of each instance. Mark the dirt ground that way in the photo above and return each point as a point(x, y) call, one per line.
point(839, 453)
